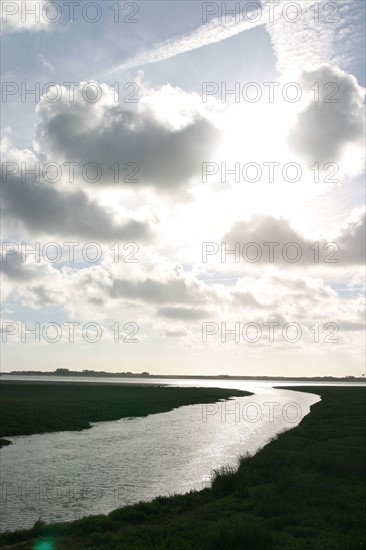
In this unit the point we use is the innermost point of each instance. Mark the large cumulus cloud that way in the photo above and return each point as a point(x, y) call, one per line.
point(167, 150)
point(345, 248)
point(41, 208)
point(327, 127)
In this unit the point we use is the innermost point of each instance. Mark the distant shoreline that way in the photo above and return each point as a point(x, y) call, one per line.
point(94, 374)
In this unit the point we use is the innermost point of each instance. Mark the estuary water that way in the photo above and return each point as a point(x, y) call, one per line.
point(66, 475)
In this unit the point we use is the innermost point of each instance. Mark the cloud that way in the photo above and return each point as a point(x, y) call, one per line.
point(46, 64)
point(262, 229)
point(162, 284)
point(40, 208)
point(326, 129)
point(183, 313)
point(13, 267)
point(289, 27)
point(173, 290)
point(352, 326)
point(32, 15)
point(158, 291)
point(349, 240)
point(156, 288)
point(167, 152)
point(325, 32)
point(31, 283)
point(286, 298)
point(176, 333)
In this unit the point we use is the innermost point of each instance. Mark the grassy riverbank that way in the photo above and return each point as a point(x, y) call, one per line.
point(304, 490)
point(38, 408)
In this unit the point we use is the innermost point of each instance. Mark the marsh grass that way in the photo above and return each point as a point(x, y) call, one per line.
point(27, 409)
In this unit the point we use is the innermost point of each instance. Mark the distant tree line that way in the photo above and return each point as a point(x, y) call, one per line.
point(85, 372)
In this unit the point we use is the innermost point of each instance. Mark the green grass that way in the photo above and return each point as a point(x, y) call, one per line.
point(38, 408)
point(305, 490)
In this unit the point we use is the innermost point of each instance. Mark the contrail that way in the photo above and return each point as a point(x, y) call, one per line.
point(210, 33)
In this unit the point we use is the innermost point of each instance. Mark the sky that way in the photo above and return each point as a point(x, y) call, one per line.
point(183, 187)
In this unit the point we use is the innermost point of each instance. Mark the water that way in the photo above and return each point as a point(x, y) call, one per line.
point(66, 475)
point(217, 383)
